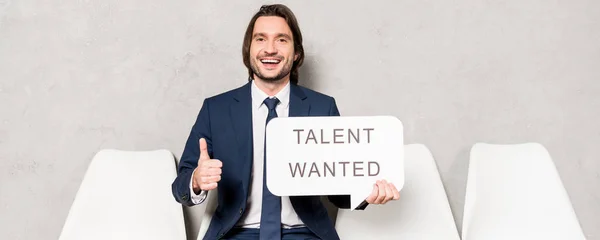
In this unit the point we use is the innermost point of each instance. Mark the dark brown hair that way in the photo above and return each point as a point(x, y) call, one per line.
point(278, 10)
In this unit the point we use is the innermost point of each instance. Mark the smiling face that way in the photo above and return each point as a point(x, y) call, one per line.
point(272, 49)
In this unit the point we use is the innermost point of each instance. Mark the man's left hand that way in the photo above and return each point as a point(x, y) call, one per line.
point(383, 192)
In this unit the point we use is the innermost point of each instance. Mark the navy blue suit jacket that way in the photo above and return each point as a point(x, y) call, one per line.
point(225, 121)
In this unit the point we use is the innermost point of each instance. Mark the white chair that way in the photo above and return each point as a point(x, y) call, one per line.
point(514, 192)
point(211, 207)
point(422, 212)
point(126, 195)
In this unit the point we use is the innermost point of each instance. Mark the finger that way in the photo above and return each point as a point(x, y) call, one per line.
point(213, 163)
point(210, 172)
point(211, 179)
point(208, 186)
point(208, 175)
point(210, 164)
point(381, 193)
point(373, 196)
point(203, 150)
point(388, 192)
point(215, 172)
point(395, 191)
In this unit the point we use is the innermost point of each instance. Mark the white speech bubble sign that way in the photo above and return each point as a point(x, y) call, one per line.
point(333, 155)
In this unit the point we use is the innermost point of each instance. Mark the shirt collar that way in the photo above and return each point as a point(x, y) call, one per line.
point(258, 96)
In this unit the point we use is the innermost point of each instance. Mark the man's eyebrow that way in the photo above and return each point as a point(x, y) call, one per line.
point(283, 35)
point(258, 35)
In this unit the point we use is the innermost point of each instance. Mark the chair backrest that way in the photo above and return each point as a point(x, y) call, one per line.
point(126, 195)
point(422, 212)
point(210, 208)
point(515, 192)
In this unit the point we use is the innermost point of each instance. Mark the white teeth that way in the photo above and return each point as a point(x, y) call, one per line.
point(269, 61)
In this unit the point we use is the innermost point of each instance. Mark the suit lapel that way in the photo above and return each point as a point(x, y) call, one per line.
point(298, 104)
point(241, 117)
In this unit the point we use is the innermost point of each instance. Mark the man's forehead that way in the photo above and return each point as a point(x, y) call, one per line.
point(269, 25)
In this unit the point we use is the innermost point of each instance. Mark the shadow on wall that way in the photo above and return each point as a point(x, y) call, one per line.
point(308, 74)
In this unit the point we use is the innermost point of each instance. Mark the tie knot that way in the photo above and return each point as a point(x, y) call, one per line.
point(271, 103)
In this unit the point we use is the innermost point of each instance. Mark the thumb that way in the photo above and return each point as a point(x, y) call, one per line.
point(203, 150)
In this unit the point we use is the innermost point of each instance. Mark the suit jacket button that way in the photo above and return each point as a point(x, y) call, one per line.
point(184, 197)
point(241, 211)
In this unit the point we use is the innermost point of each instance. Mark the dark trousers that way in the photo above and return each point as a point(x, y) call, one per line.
point(286, 234)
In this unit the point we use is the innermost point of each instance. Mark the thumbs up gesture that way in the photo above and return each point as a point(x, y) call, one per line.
point(208, 172)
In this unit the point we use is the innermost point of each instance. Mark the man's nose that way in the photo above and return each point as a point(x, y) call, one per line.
point(270, 48)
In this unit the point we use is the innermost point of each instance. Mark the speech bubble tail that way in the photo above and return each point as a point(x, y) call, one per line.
point(357, 199)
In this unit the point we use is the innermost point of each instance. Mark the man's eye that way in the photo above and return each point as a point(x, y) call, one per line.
point(260, 39)
point(282, 40)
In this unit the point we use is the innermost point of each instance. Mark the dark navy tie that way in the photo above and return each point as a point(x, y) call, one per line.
point(270, 218)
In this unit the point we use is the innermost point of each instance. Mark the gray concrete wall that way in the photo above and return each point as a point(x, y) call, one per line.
point(80, 76)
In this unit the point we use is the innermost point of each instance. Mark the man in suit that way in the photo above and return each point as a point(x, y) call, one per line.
point(225, 149)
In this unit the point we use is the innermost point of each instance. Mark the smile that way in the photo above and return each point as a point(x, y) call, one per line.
point(270, 61)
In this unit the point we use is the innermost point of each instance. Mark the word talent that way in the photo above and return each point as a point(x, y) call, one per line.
point(355, 169)
point(337, 136)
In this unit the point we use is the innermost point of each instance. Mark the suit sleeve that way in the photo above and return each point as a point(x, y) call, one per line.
point(191, 154)
point(341, 201)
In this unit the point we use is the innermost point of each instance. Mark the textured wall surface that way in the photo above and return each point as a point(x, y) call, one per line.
point(80, 76)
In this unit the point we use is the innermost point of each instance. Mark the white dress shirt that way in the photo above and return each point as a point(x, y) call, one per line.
point(251, 217)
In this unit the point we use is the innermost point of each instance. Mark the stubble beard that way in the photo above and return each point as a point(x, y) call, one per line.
point(287, 67)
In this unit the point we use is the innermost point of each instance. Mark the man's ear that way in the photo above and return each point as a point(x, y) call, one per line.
point(296, 56)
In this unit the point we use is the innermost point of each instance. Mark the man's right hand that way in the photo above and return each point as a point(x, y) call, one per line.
point(208, 173)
